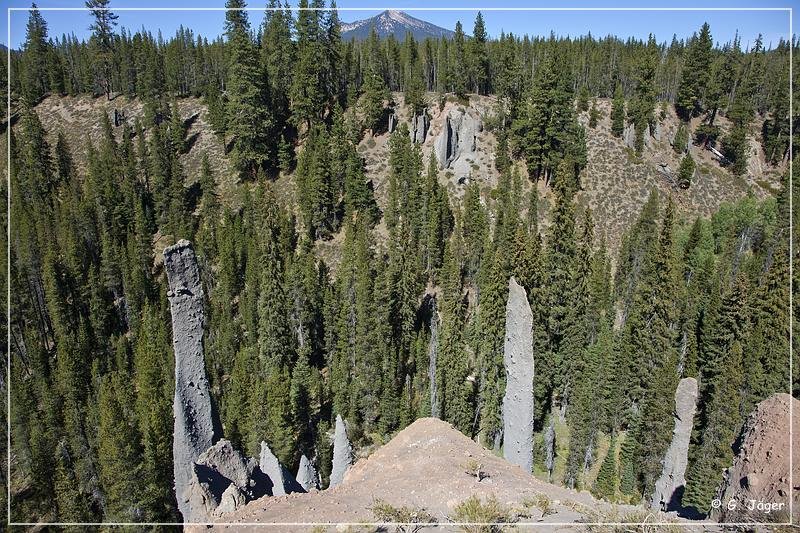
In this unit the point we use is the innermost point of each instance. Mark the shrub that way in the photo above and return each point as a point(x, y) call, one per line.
point(478, 517)
point(406, 519)
point(541, 502)
point(474, 468)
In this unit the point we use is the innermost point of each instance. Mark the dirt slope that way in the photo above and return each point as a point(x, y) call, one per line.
point(615, 182)
point(760, 471)
point(79, 118)
point(426, 466)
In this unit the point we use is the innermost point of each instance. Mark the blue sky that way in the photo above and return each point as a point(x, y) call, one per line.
point(772, 24)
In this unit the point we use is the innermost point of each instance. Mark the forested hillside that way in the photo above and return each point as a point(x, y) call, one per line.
point(421, 267)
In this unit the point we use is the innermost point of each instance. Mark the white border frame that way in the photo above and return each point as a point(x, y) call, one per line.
point(696, 523)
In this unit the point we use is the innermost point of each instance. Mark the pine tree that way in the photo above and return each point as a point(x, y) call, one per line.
point(315, 190)
point(154, 413)
point(605, 486)
point(723, 421)
point(271, 415)
point(375, 93)
point(618, 112)
point(306, 94)
point(413, 84)
point(455, 391)
point(583, 99)
point(248, 118)
point(627, 461)
point(274, 342)
point(686, 171)
point(437, 219)
point(576, 364)
point(277, 58)
point(458, 64)
point(681, 140)
point(546, 130)
point(766, 351)
point(594, 114)
point(119, 452)
point(491, 320)
point(644, 97)
point(37, 49)
point(102, 43)
point(560, 256)
point(695, 75)
point(478, 54)
point(71, 503)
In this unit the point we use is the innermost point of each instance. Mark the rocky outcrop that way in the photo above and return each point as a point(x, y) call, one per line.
point(307, 475)
point(419, 127)
point(658, 132)
point(281, 480)
point(342, 452)
point(222, 480)
point(760, 470)
point(629, 136)
point(196, 426)
point(670, 486)
point(459, 138)
point(518, 361)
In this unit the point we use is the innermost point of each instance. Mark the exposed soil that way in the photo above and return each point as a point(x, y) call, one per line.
point(615, 182)
point(760, 471)
point(79, 118)
point(430, 467)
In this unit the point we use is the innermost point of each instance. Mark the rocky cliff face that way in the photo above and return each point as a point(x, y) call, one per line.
point(756, 488)
point(670, 486)
point(196, 426)
point(458, 141)
point(419, 127)
point(518, 360)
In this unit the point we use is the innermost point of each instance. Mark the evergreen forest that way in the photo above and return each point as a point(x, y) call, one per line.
point(295, 338)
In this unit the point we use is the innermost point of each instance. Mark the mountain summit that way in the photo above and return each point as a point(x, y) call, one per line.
point(392, 22)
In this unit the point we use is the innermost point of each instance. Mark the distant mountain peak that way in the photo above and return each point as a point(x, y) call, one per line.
point(393, 22)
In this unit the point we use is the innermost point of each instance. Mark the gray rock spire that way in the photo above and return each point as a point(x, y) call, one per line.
point(307, 475)
point(342, 452)
point(669, 487)
point(282, 480)
point(196, 428)
point(518, 360)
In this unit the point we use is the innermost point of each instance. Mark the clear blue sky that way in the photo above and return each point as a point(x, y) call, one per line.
point(772, 24)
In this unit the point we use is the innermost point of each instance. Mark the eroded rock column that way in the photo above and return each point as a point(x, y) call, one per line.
point(459, 139)
point(669, 487)
point(307, 475)
point(282, 480)
point(518, 360)
point(195, 423)
point(419, 127)
point(342, 453)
